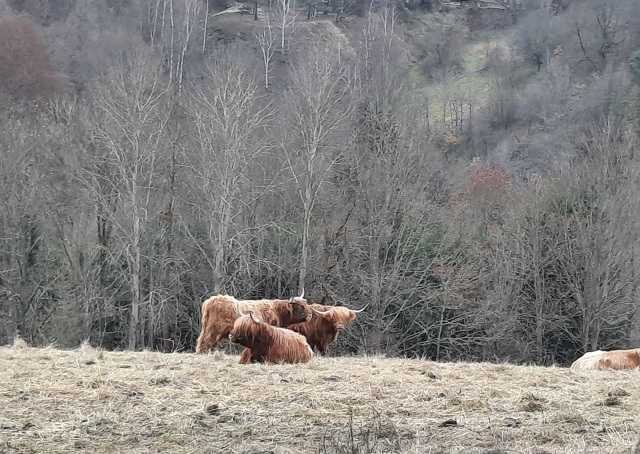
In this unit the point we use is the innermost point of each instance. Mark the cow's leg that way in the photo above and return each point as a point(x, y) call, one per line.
point(258, 358)
point(207, 340)
point(248, 357)
point(245, 357)
point(200, 345)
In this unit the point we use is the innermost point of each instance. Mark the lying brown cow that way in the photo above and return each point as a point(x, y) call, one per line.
point(325, 324)
point(268, 344)
point(615, 359)
point(221, 311)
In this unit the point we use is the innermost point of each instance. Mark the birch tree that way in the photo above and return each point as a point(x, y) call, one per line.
point(172, 26)
point(226, 117)
point(266, 40)
point(129, 128)
point(284, 15)
point(318, 106)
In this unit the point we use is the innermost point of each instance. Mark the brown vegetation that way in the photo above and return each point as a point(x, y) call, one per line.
point(26, 71)
point(90, 400)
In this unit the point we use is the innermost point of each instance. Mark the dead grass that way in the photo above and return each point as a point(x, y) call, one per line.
point(19, 343)
point(88, 400)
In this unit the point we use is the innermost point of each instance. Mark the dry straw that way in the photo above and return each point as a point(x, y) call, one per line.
point(88, 400)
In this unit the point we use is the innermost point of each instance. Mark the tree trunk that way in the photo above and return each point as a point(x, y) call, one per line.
point(539, 335)
point(206, 27)
point(584, 328)
point(279, 269)
point(305, 242)
point(220, 258)
point(440, 329)
point(104, 232)
point(151, 315)
point(87, 319)
point(374, 272)
point(135, 257)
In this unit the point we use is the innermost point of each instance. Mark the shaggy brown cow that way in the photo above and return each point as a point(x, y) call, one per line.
point(268, 344)
point(221, 311)
point(615, 359)
point(325, 324)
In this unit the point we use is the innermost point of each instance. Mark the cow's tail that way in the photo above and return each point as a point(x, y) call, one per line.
point(200, 347)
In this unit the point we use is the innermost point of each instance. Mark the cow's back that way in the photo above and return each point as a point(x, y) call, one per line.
point(289, 346)
point(620, 360)
point(588, 361)
point(263, 309)
point(614, 360)
point(221, 308)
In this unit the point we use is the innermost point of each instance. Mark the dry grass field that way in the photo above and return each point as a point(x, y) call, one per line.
point(108, 402)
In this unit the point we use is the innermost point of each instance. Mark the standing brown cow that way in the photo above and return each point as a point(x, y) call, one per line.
point(221, 311)
point(268, 344)
point(325, 324)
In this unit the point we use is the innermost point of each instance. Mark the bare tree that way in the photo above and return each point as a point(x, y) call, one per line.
point(535, 39)
point(205, 29)
point(129, 127)
point(525, 257)
point(266, 41)
point(600, 258)
point(226, 117)
point(24, 284)
point(186, 30)
point(284, 15)
point(389, 154)
point(318, 106)
point(599, 28)
point(566, 256)
point(171, 25)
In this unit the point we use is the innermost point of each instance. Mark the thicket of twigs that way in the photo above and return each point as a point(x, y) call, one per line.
point(482, 194)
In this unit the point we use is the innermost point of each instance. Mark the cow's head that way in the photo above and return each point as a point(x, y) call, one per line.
point(247, 330)
point(300, 311)
point(339, 316)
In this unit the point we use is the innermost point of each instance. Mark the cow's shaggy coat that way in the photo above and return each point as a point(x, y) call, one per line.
point(323, 329)
point(615, 359)
point(221, 311)
point(268, 344)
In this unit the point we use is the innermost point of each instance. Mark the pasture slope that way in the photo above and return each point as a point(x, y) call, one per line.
point(55, 401)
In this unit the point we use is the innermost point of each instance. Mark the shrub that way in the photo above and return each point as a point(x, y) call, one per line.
point(26, 71)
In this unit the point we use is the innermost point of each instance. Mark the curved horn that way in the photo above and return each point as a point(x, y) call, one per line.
point(242, 314)
point(302, 294)
point(255, 320)
point(321, 312)
point(360, 310)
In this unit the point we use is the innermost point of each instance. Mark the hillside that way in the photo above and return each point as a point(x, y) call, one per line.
point(93, 401)
point(470, 171)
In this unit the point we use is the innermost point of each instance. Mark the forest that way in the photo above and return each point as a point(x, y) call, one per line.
point(468, 169)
